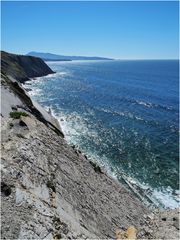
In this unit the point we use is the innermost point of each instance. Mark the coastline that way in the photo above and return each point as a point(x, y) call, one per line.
point(78, 128)
point(55, 191)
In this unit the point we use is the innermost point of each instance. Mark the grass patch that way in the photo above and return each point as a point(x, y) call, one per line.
point(17, 115)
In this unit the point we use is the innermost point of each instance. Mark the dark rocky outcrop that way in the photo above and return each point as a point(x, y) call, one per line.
point(23, 67)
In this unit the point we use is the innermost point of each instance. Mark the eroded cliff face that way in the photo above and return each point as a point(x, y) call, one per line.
point(49, 190)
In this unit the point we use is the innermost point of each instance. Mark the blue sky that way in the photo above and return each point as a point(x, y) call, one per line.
point(123, 30)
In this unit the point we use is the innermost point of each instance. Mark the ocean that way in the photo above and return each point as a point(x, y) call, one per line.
point(124, 116)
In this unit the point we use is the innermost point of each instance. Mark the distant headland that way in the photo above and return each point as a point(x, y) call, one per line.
point(55, 57)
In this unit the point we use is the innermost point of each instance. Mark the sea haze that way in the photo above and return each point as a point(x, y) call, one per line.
point(122, 114)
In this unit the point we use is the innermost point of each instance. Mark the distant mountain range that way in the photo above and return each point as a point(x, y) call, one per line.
point(55, 57)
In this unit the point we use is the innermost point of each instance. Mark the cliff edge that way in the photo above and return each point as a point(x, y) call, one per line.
point(22, 67)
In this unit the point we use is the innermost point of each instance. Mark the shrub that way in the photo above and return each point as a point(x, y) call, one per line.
point(17, 115)
point(96, 167)
point(20, 135)
point(50, 184)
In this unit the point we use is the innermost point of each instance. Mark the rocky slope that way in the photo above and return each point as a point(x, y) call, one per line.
point(49, 190)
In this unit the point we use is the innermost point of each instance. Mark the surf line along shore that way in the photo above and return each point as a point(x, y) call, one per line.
point(51, 189)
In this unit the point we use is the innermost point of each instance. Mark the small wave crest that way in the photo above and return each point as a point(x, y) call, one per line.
point(120, 113)
point(153, 105)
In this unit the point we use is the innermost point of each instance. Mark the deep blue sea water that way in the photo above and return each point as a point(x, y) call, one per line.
point(122, 114)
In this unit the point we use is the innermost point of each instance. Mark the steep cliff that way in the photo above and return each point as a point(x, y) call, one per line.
point(23, 67)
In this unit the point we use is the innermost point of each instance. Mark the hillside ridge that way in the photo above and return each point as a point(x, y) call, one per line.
point(56, 57)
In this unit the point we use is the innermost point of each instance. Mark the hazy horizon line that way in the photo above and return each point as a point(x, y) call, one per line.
point(110, 58)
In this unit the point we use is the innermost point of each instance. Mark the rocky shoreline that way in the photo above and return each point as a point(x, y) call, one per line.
point(50, 188)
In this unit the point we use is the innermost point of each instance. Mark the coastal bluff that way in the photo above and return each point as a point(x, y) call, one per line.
point(22, 67)
point(49, 189)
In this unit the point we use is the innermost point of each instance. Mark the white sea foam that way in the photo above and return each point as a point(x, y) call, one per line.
point(55, 75)
point(35, 92)
point(166, 197)
point(163, 198)
point(74, 126)
point(43, 78)
point(32, 84)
